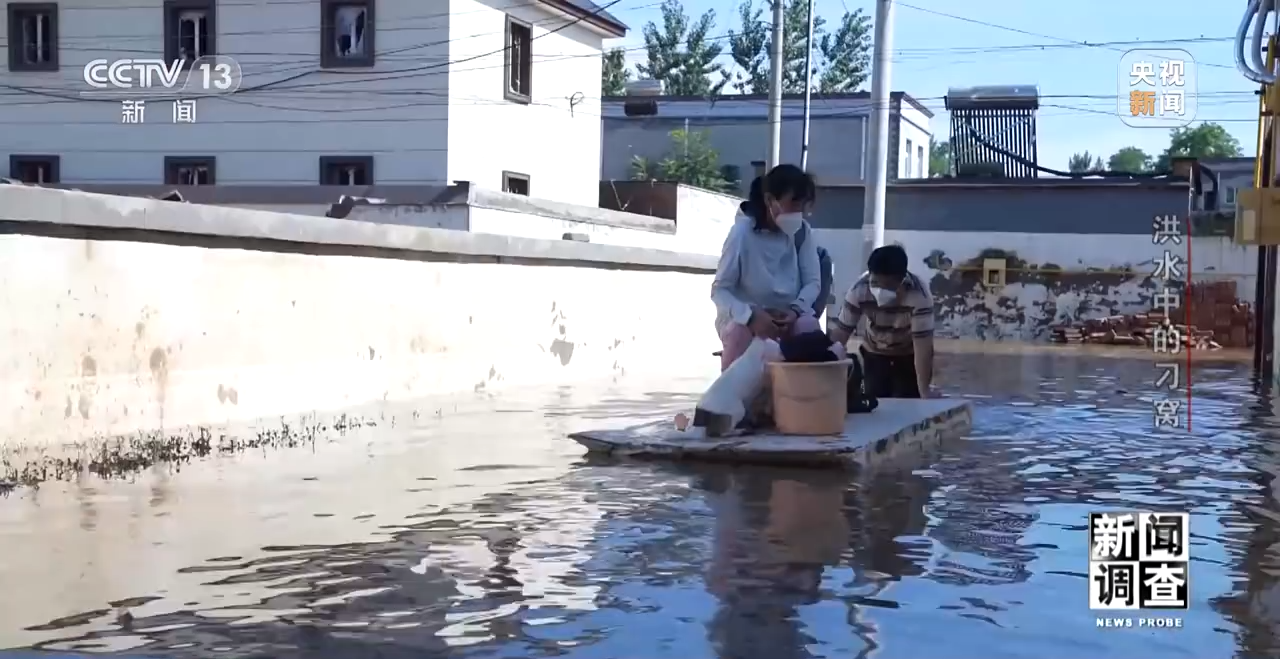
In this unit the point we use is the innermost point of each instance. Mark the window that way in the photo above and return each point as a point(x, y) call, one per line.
point(34, 169)
point(920, 162)
point(189, 170)
point(33, 36)
point(346, 170)
point(1229, 196)
point(346, 33)
point(907, 171)
point(515, 183)
point(190, 30)
point(519, 65)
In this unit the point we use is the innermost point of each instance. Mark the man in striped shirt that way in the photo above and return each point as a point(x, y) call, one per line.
point(897, 344)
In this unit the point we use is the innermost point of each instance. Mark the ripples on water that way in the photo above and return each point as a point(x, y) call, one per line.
point(501, 540)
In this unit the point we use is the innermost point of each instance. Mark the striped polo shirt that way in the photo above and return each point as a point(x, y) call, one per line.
point(889, 330)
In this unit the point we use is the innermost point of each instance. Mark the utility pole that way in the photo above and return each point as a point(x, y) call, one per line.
point(775, 85)
point(878, 174)
point(808, 92)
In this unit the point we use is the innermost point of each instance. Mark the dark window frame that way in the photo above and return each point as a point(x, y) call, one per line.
point(171, 10)
point(54, 163)
point(508, 176)
point(173, 163)
point(524, 66)
point(329, 58)
point(14, 12)
point(327, 163)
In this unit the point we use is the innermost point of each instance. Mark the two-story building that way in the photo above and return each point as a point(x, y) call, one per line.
point(737, 127)
point(332, 92)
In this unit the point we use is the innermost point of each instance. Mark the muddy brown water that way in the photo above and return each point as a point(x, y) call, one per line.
point(487, 534)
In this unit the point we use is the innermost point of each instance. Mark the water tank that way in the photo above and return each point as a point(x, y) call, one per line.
point(994, 96)
point(642, 98)
point(644, 88)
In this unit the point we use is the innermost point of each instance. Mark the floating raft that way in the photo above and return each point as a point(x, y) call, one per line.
point(896, 423)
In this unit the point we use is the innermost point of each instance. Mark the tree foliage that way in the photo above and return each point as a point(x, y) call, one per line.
point(748, 47)
point(795, 45)
point(614, 74)
point(682, 54)
point(840, 62)
point(939, 158)
point(690, 160)
point(1130, 160)
point(846, 54)
point(1081, 163)
point(1207, 140)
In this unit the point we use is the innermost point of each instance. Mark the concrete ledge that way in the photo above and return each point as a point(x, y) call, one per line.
point(79, 215)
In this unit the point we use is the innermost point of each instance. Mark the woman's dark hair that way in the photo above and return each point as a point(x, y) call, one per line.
point(781, 181)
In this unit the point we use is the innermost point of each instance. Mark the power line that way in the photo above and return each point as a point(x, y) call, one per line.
point(427, 67)
point(1015, 30)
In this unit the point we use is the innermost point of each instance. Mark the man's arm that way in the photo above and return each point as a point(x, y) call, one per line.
point(922, 342)
point(842, 327)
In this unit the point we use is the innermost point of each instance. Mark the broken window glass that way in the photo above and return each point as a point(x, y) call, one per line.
point(37, 47)
point(349, 29)
point(193, 34)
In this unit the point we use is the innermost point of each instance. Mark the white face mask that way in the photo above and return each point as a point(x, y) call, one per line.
point(884, 297)
point(790, 223)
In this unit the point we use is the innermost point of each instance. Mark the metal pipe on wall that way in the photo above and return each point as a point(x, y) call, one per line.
point(808, 92)
point(776, 53)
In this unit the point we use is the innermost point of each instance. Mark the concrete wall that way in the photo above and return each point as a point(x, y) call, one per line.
point(1073, 251)
point(432, 126)
point(736, 127)
point(121, 315)
point(703, 220)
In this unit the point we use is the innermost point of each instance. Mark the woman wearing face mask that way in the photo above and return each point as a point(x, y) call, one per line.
point(766, 284)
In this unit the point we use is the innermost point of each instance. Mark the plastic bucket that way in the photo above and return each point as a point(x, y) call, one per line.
point(810, 398)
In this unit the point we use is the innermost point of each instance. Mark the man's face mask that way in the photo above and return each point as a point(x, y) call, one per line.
point(886, 293)
point(884, 297)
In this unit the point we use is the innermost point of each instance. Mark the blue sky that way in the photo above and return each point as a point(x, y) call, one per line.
point(992, 42)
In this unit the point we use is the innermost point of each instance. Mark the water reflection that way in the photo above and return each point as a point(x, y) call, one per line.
point(498, 539)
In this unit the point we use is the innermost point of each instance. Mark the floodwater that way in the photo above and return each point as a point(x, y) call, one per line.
point(488, 535)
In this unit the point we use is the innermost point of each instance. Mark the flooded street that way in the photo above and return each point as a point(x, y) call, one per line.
point(488, 534)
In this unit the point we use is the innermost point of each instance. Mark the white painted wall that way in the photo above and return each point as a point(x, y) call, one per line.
point(107, 337)
point(913, 132)
point(399, 112)
point(556, 138)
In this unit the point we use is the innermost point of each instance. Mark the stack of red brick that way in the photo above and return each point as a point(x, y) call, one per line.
point(1216, 306)
point(1217, 320)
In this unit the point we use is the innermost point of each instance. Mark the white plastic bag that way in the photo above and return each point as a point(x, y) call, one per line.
point(737, 388)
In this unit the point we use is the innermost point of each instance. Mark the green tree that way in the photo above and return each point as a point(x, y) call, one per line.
point(1208, 140)
point(795, 45)
point(614, 74)
point(1130, 160)
point(841, 60)
point(690, 160)
point(748, 49)
point(939, 158)
point(682, 54)
point(846, 54)
point(1084, 162)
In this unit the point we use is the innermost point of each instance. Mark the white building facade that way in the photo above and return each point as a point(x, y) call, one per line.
point(737, 128)
point(501, 93)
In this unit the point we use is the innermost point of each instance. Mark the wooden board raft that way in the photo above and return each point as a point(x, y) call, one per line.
point(896, 423)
